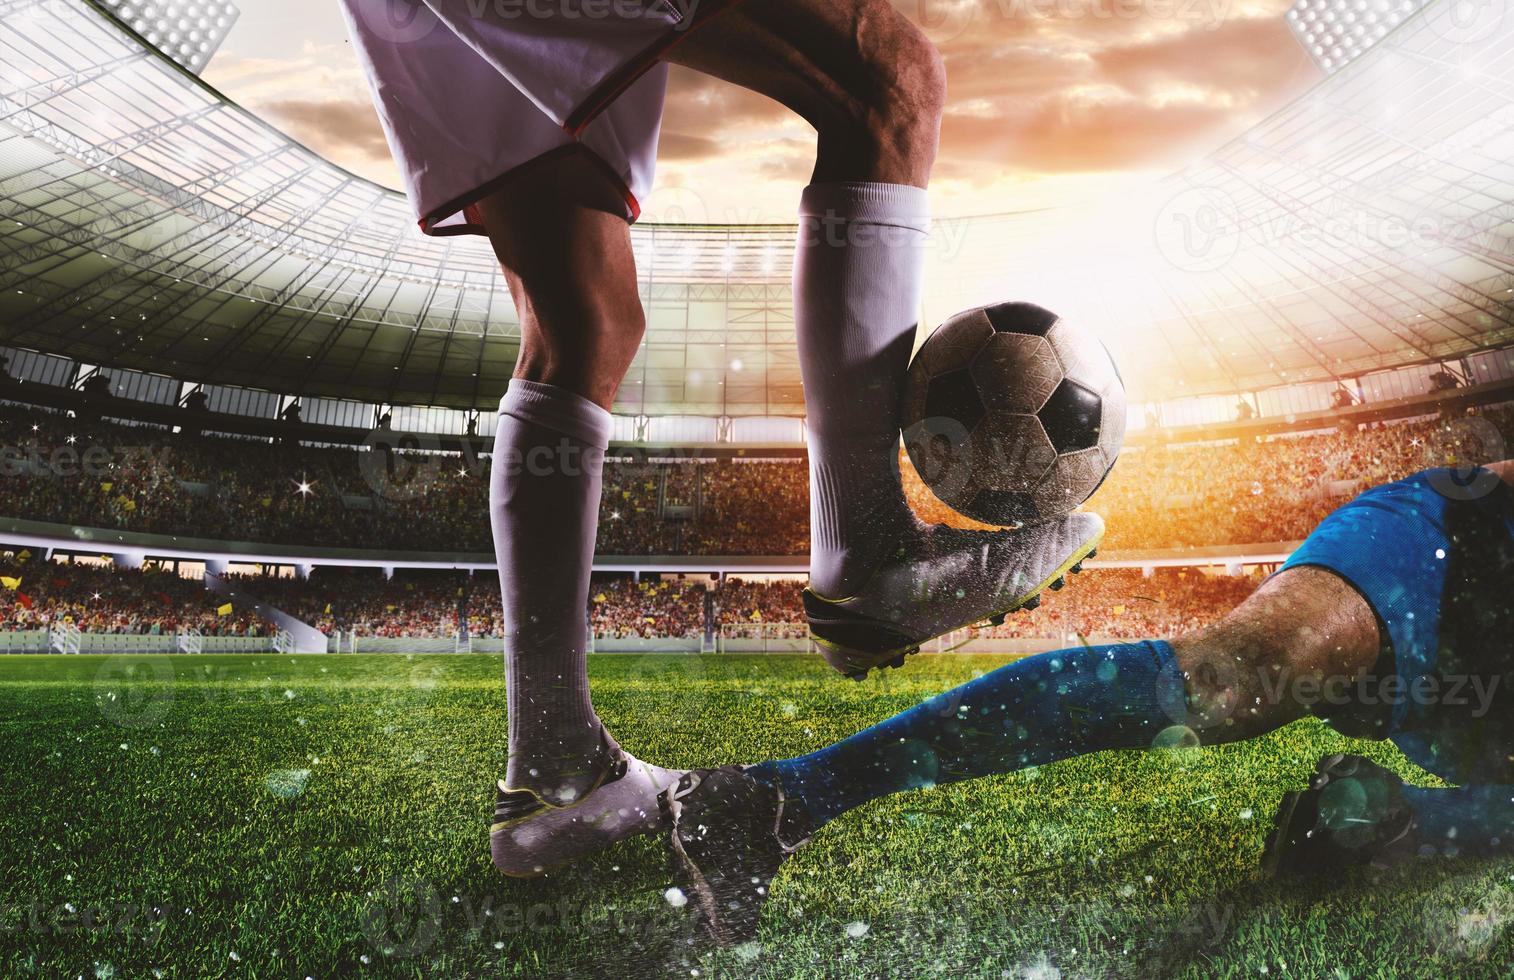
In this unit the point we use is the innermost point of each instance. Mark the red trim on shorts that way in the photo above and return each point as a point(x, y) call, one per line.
point(614, 85)
point(473, 221)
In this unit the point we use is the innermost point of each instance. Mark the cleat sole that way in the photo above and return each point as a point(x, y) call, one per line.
point(854, 644)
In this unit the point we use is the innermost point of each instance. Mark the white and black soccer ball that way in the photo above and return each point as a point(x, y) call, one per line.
point(1012, 414)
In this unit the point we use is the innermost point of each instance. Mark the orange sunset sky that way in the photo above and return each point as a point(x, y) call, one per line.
point(1051, 101)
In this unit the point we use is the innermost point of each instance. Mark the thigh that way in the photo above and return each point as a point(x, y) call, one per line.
point(840, 64)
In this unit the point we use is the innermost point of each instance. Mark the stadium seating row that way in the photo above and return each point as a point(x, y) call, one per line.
point(138, 478)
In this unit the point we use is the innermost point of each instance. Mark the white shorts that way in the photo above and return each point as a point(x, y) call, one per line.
point(471, 91)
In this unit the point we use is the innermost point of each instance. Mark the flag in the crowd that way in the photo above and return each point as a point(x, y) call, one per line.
point(22, 556)
point(24, 599)
point(409, 586)
point(756, 616)
point(267, 501)
point(107, 487)
point(601, 597)
point(388, 609)
point(10, 583)
point(224, 610)
point(1118, 610)
point(163, 597)
point(649, 619)
point(328, 608)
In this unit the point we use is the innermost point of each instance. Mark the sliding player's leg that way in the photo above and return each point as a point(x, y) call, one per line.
point(873, 87)
point(1216, 686)
point(568, 787)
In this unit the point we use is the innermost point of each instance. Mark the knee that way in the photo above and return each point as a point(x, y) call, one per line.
point(899, 95)
point(911, 98)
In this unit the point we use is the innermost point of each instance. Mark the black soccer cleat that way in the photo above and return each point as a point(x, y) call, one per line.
point(1352, 815)
point(944, 579)
point(729, 834)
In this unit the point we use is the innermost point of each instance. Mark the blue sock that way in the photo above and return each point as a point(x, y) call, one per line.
point(1474, 820)
point(1030, 712)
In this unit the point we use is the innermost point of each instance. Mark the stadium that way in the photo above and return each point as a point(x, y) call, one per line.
point(246, 415)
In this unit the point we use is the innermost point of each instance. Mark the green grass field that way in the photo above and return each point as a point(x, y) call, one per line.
point(327, 816)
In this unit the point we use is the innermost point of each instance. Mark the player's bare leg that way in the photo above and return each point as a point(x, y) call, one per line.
point(1302, 628)
point(568, 788)
point(873, 87)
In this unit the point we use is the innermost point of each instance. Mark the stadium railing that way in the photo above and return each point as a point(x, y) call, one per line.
point(763, 638)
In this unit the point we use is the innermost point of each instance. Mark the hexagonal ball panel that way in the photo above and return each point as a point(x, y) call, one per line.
point(1016, 372)
point(954, 396)
point(1083, 358)
point(951, 347)
point(1020, 318)
point(1069, 482)
point(1010, 452)
point(1072, 417)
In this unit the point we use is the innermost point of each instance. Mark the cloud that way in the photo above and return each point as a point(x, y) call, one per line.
point(331, 127)
point(1040, 91)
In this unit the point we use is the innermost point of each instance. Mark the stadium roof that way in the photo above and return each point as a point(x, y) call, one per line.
point(148, 223)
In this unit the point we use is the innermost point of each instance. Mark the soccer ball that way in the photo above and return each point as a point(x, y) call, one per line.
point(1012, 414)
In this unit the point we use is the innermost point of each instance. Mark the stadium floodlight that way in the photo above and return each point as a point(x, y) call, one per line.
point(188, 31)
point(1336, 32)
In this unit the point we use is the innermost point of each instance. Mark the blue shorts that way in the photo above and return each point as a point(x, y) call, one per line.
point(1434, 556)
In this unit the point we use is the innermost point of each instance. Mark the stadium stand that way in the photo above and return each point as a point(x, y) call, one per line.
point(141, 478)
point(104, 599)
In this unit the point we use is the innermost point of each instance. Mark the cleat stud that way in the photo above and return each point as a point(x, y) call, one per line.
point(1032, 603)
point(897, 661)
point(996, 619)
point(1057, 585)
point(1076, 568)
point(1093, 552)
point(858, 676)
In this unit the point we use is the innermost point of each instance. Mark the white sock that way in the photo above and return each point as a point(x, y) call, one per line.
point(548, 468)
point(857, 282)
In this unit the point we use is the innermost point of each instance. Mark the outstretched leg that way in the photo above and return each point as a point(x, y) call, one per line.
point(1236, 680)
point(732, 828)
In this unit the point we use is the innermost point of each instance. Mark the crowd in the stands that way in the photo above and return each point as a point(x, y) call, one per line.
point(61, 470)
point(101, 598)
point(1120, 603)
